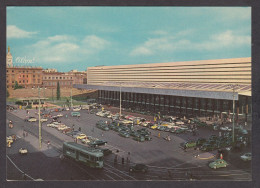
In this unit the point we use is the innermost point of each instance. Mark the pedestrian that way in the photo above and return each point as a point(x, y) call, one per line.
point(48, 144)
point(159, 134)
point(79, 128)
point(123, 160)
point(73, 127)
point(245, 124)
point(102, 134)
point(23, 134)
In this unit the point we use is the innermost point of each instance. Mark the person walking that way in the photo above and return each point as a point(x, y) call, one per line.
point(48, 144)
point(159, 134)
point(123, 160)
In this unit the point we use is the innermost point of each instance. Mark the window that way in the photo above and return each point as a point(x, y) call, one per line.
point(12, 81)
point(7, 81)
point(12, 70)
point(23, 71)
point(23, 81)
point(27, 81)
point(60, 77)
point(6, 70)
point(33, 76)
point(20, 81)
point(56, 77)
point(27, 76)
point(70, 77)
point(23, 76)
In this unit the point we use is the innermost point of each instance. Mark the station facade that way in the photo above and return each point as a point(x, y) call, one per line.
point(193, 88)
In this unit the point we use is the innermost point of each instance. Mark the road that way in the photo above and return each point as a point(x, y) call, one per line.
point(165, 159)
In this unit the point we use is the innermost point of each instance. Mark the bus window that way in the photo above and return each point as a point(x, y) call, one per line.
point(84, 155)
point(92, 158)
point(69, 151)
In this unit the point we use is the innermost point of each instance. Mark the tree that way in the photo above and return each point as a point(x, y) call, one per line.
point(7, 94)
point(16, 86)
point(58, 91)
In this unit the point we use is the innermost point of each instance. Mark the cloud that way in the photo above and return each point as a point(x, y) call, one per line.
point(173, 43)
point(66, 48)
point(15, 32)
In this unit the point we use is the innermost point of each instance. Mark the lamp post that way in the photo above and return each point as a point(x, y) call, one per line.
point(120, 102)
point(39, 113)
point(233, 87)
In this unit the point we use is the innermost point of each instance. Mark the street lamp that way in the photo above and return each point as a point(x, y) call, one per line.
point(71, 98)
point(39, 113)
point(233, 87)
point(120, 102)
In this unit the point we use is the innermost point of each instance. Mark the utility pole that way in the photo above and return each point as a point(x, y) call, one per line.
point(120, 102)
point(39, 112)
point(233, 87)
point(71, 98)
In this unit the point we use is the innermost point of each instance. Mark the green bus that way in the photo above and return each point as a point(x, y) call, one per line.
point(75, 114)
point(91, 157)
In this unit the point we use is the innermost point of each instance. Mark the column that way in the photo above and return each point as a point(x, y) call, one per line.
point(180, 105)
point(186, 98)
point(169, 103)
point(237, 115)
point(193, 103)
point(206, 106)
point(154, 100)
point(199, 106)
point(213, 106)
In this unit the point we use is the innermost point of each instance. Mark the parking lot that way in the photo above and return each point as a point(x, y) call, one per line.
point(158, 154)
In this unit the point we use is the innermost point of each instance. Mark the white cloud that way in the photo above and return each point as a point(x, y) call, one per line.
point(15, 32)
point(94, 42)
point(66, 48)
point(225, 40)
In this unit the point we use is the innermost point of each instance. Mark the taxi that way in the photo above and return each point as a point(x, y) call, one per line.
point(219, 163)
point(81, 136)
point(154, 127)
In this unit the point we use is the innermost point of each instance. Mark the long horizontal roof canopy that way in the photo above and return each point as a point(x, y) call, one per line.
point(214, 91)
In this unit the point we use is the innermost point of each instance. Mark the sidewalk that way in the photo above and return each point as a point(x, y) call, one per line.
point(34, 142)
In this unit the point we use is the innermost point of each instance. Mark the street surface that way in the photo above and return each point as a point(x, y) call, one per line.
point(165, 159)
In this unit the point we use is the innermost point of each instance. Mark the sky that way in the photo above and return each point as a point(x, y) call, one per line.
point(69, 38)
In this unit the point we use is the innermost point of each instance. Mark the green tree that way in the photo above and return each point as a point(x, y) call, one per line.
point(7, 93)
point(16, 86)
point(58, 91)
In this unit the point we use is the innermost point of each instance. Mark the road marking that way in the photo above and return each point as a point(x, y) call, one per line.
point(18, 136)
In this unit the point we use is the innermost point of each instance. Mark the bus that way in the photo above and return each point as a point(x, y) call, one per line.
point(91, 157)
point(75, 114)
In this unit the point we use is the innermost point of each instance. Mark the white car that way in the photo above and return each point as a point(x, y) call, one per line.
point(63, 127)
point(44, 119)
point(246, 157)
point(225, 128)
point(76, 109)
point(67, 108)
point(59, 115)
point(23, 151)
point(32, 120)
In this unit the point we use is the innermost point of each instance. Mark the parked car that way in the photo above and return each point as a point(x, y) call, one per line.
point(59, 115)
point(138, 168)
point(23, 151)
point(97, 143)
point(246, 157)
point(219, 163)
point(32, 119)
point(81, 136)
point(124, 134)
point(139, 138)
point(44, 119)
point(225, 128)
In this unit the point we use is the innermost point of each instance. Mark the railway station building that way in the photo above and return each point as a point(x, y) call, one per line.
point(192, 88)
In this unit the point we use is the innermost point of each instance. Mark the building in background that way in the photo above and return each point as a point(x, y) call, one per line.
point(51, 79)
point(50, 70)
point(192, 88)
point(28, 77)
point(9, 59)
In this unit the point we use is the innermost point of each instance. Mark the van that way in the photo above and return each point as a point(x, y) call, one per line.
point(75, 114)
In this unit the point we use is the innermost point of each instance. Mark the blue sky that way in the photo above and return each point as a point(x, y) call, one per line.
point(69, 38)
